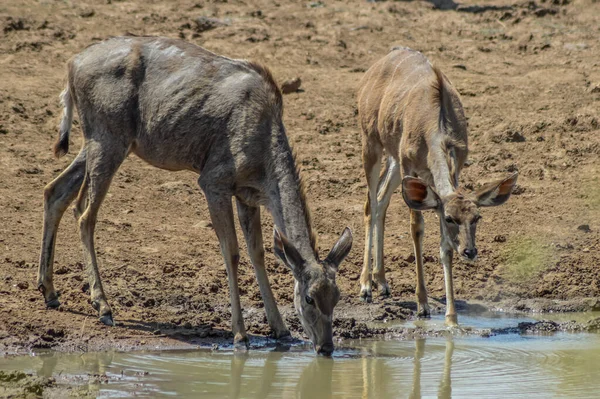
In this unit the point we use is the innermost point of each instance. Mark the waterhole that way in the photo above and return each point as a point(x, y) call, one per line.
point(503, 365)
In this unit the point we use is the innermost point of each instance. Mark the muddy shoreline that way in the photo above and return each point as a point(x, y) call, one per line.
point(378, 320)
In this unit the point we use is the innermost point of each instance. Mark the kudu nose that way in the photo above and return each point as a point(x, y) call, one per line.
point(470, 253)
point(325, 349)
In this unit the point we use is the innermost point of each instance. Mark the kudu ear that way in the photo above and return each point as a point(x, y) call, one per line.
point(418, 195)
point(287, 252)
point(341, 249)
point(496, 193)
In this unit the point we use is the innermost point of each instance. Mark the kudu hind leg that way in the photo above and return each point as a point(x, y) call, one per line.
point(250, 222)
point(82, 199)
point(417, 229)
point(102, 164)
point(57, 197)
point(389, 182)
point(372, 164)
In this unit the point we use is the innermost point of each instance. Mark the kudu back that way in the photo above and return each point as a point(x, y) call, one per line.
point(180, 107)
point(409, 110)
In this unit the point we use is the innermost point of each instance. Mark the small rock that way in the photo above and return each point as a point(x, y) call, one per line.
point(517, 189)
point(203, 224)
point(291, 85)
point(500, 238)
point(87, 13)
point(23, 285)
point(410, 258)
point(61, 270)
point(18, 108)
point(513, 136)
point(586, 250)
point(564, 246)
point(204, 24)
point(168, 269)
point(584, 228)
point(149, 303)
point(541, 12)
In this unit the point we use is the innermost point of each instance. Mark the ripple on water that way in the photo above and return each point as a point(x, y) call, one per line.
point(561, 365)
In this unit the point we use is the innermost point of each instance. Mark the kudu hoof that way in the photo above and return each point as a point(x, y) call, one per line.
point(282, 336)
point(366, 296)
point(241, 344)
point(385, 292)
point(452, 321)
point(52, 303)
point(107, 319)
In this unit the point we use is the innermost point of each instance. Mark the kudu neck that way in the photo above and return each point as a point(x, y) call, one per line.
point(287, 200)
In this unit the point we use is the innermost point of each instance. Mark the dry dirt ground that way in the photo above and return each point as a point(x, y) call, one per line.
point(529, 76)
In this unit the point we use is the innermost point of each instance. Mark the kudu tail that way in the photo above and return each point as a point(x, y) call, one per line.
point(61, 147)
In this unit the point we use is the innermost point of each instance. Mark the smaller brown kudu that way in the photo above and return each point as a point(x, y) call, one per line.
point(409, 109)
point(180, 107)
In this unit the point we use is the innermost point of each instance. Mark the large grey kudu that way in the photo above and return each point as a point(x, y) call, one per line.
point(409, 109)
point(180, 107)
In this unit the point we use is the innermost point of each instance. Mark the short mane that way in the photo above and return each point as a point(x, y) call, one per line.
point(305, 208)
point(438, 96)
point(266, 74)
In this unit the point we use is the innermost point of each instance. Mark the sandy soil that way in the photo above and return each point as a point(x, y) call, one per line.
point(529, 76)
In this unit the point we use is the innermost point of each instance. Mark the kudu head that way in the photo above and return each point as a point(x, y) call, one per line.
point(459, 211)
point(315, 291)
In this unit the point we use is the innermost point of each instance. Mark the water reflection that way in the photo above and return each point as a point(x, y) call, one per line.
point(563, 365)
point(445, 386)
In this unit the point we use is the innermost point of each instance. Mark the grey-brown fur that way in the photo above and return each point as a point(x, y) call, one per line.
point(180, 107)
point(408, 108)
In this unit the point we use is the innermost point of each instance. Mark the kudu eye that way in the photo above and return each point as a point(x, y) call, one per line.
point(450, 220)
point(309, 300)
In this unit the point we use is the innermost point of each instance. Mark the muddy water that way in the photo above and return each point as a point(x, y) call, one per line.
point(558, 365)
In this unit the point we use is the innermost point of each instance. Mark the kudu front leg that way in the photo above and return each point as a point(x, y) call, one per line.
point(446, 254)
point(372, 166)
point(388, 183)
point(221, 214)
point(249, 217)
point(417, 229)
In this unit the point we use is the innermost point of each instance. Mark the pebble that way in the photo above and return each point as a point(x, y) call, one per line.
point(584, 228)
point(291, 85)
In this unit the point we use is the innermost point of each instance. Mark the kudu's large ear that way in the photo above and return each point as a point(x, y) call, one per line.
point(496, 193)
point(287, 252)
point(341, 249)
point(418, 195)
